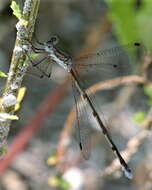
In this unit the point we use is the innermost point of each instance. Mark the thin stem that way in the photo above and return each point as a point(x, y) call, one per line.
point(25, 28)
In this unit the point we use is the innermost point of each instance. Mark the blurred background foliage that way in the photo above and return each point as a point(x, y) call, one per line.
point(132, 20)
point(81, 26)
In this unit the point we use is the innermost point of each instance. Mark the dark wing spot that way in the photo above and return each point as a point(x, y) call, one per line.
point(137, 44)
point(80, 146)
point(115, 65)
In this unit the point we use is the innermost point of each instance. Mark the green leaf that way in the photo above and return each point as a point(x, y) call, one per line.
point(3, 150)
point(20, 96)
point(58, 181)
point(16, 10)
point(2, 74)
point(148, 91)
point(32, 56)
point(131, 24)
point(123, 15)
point(64, 184)
point(150, 102)
point(144, 23)
point(139, 117)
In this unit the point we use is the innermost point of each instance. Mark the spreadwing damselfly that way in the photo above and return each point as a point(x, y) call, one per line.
point(114, 60)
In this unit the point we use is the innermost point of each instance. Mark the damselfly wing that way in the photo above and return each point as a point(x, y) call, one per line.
point(102, 65)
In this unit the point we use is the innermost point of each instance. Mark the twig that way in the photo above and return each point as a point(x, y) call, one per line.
point(17, 70)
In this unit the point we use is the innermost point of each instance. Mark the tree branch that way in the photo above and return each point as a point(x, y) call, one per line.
point(25, 27)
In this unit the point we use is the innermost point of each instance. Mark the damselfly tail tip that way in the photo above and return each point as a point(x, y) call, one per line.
point(128, 173)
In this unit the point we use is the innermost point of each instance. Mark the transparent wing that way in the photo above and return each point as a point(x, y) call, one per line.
point(107, 64)
point(41, 66)
point(84, 128)
point(114, 51)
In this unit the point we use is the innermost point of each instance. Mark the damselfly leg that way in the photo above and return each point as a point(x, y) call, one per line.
point(41, 65)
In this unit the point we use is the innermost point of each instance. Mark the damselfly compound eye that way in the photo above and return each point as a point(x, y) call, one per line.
point(49, 46)
point(54, 40)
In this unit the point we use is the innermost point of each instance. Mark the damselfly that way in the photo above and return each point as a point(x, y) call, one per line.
point(110, 59)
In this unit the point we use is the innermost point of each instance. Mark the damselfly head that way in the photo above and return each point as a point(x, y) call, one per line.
point(53, 41)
